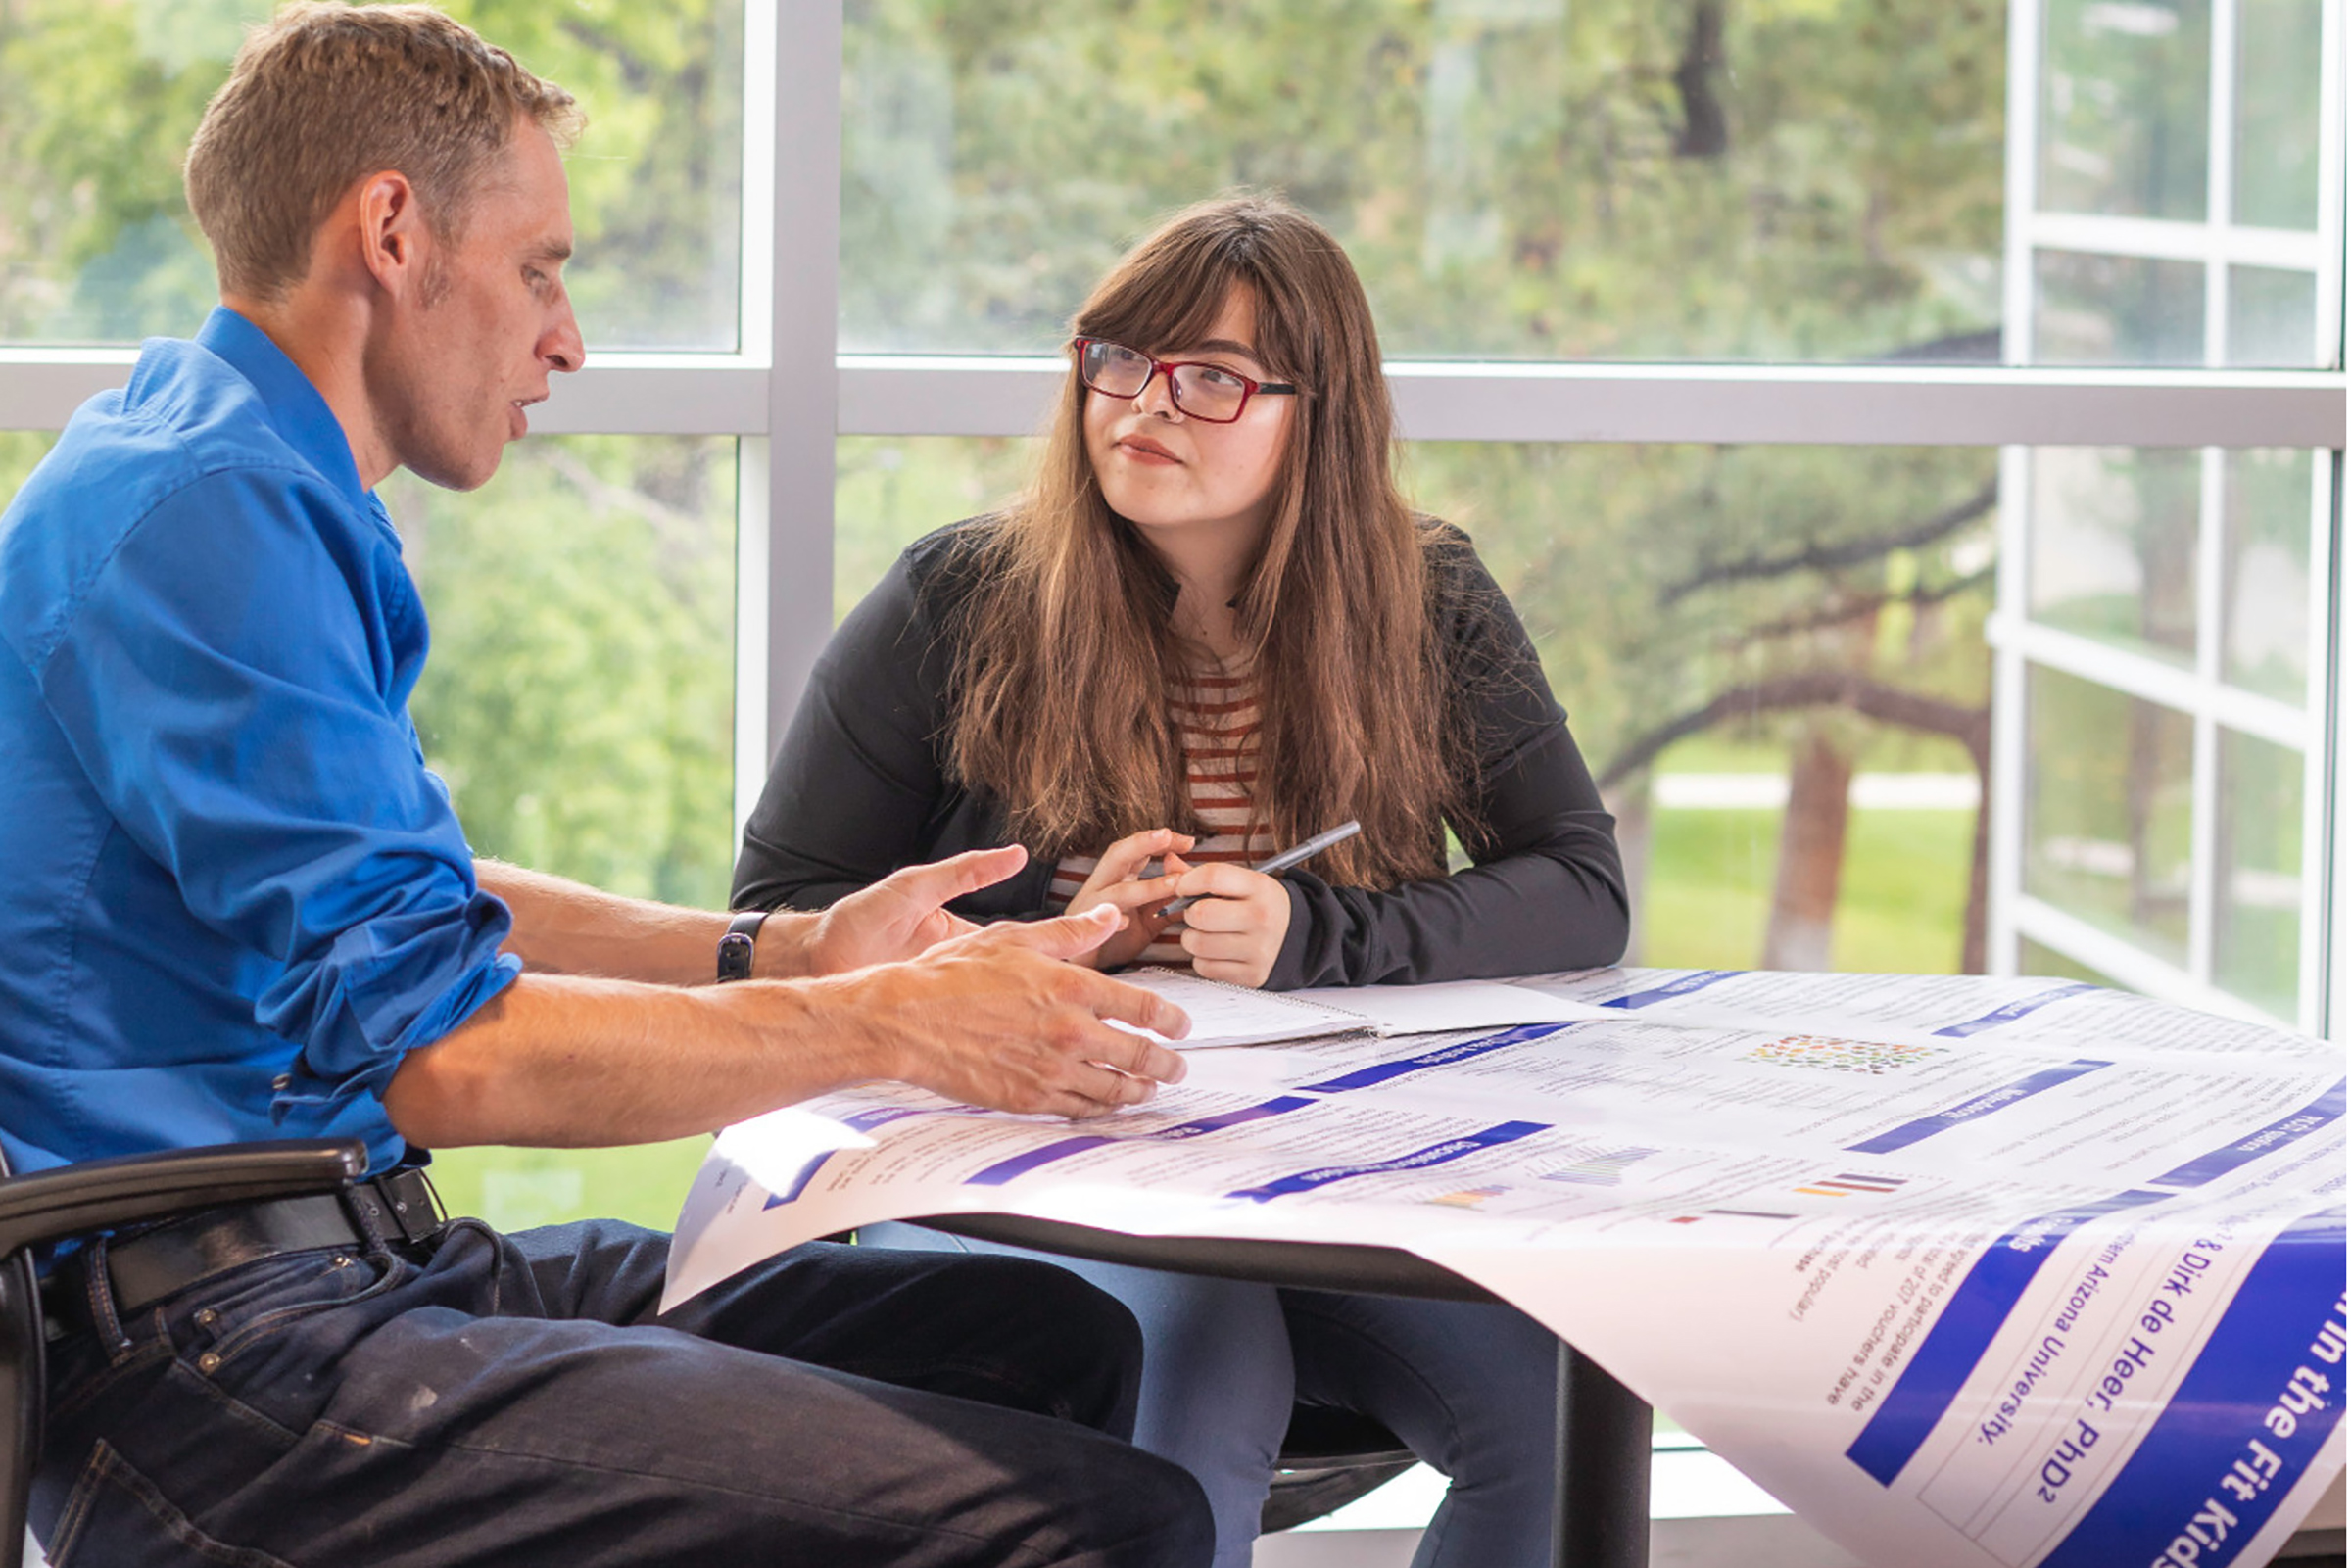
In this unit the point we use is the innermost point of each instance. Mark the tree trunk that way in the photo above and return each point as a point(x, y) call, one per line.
point(1706, 129)
point(1972, 939)
point(1804, 903)
point(2142, 780)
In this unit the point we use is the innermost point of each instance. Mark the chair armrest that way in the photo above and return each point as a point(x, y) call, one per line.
point(104, 1194)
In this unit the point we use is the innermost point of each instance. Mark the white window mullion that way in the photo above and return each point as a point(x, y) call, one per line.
point(2220, 179)
point(1931, 406)
point(2204, 795)
point(41, 388)
point(630, 393)
point(753, 571)
point(2005, 846)
point(803, 388)
point(755, 347)
point(2022, 171)
point(2150, 680)
point(2172, 240)
point(2127, 964)
point(2329, 848)
point(2330, 185)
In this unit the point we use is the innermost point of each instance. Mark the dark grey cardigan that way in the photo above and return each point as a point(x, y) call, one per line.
point(861, 787)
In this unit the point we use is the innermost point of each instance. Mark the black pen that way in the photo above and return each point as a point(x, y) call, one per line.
point(1284, 860)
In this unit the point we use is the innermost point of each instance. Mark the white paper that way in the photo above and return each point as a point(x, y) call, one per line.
point(1444, 1005)
point(1232, 1014)
point(1966, 1271)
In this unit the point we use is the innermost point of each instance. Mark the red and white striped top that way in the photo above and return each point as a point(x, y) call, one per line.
point(1216, 722)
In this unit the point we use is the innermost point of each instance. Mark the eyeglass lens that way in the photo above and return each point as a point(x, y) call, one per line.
point(1200, 390)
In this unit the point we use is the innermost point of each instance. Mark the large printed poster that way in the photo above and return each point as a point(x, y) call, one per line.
point(1965, 1271)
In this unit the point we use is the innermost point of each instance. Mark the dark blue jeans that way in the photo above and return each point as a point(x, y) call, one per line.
point(515, 1402)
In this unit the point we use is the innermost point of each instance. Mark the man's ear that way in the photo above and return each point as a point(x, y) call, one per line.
point(392, 234)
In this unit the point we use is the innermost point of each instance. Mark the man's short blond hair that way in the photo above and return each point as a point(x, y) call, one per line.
point(323, 96)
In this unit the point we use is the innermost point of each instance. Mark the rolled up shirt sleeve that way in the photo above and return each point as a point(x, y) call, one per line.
point(236, 684)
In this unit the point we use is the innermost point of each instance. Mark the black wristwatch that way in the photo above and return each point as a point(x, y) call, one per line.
point(735, 949)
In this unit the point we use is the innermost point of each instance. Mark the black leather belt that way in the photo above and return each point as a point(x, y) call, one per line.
point(151, 1264)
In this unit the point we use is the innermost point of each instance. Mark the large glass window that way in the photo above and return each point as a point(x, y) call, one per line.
point(579, 704)
point(2170, 753)
point(2162, 642)
point(2107, 819)
point(2167, 224)
point(2258, 861)
point(2277, 105)
point(98, 99)
point(579, 701)
point(2267, 556)
point(2126, 94)
point(2114, 553)
point(1607, 179)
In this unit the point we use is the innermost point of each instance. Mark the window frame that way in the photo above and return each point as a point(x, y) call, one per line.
point(787, 394)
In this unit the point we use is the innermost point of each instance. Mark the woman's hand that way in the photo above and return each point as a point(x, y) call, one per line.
point(1234, 932)
point(1115, 881)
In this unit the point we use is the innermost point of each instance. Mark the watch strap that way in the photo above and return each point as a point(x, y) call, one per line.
point(736, 948)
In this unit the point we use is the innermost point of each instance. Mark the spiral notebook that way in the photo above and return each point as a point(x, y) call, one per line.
point(1233, 1014)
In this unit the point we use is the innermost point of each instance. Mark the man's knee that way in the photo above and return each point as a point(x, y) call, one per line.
point(1146, 1513)
point(1080, 1344)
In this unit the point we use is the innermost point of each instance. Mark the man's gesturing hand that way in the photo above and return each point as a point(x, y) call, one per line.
point(905, 914)
point(998, 1017)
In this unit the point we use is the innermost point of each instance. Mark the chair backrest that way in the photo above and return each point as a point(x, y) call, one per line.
point(24, 1338)
point(104, 1195)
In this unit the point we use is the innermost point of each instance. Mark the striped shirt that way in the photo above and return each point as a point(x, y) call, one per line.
point(1215, 716)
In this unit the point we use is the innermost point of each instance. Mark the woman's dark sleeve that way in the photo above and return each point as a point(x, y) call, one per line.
point(858, 782)
point(1544, 889)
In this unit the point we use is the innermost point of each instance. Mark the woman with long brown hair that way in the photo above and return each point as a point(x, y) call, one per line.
point(1211, 628)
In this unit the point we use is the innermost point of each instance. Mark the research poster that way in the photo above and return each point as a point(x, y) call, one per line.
point(1965, 1271)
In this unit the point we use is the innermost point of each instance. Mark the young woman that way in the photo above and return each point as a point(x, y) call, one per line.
point(1210, 630)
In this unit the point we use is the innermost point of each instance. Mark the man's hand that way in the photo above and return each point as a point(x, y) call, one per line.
point(1234, 932)
point(1115, 883)
point(1001, 1017)
point(900, 917)
point(996, 1016)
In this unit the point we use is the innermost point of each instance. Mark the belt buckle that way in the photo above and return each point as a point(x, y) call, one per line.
point(401, 1204)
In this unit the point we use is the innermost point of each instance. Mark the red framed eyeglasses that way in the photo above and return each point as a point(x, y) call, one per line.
point(1199, 391)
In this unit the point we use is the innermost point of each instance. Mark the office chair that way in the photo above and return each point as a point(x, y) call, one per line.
point(106, 1195)
point(1330, 1458)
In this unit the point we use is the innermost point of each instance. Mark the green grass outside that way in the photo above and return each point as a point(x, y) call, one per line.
point(514, 1189)
point(1898, 911)
point(1884, 749)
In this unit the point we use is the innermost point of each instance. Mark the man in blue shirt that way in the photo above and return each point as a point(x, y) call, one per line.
point(241, 908)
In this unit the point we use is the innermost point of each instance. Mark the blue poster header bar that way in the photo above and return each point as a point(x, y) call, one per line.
point(1982, 1105)
point(2325, 1110)
point(1004, 1170)
point(1436, 1153)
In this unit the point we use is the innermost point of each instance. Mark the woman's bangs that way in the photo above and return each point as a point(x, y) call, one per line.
point(1170, 309)
point(1156, 320)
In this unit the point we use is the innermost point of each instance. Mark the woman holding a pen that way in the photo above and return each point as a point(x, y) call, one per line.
point(1211, 632)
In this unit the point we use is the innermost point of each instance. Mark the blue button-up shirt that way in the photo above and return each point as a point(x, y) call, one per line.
point(231, 896)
